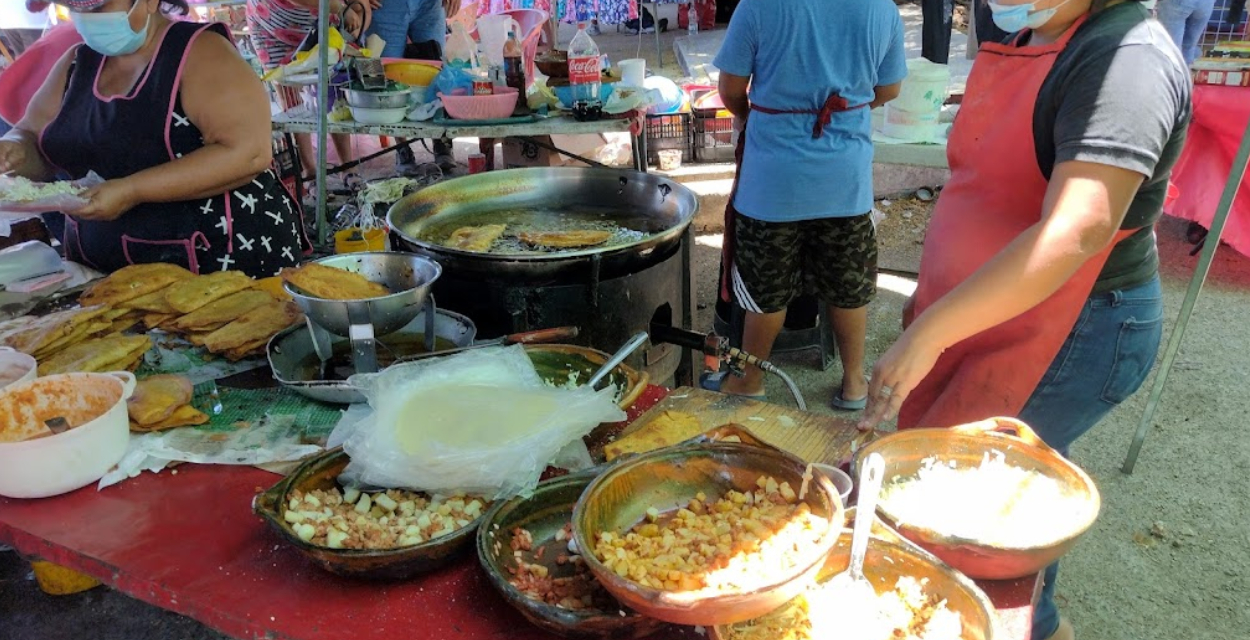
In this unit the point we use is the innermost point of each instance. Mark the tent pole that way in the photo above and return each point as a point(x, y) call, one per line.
point(323, 102)
point(1235, 177)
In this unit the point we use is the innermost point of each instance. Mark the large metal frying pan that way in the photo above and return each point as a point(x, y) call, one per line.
point(657, 208)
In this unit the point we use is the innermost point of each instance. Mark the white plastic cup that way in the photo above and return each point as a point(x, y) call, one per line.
point(841, 481)
point(633, 72)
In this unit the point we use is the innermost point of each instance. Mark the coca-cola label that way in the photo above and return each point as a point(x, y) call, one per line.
point(584, 69)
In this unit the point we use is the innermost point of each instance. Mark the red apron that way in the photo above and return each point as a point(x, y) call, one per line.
point(833, 104)
point(995, 194)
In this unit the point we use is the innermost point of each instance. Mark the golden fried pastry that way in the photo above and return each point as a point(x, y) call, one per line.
point(92, 328)
point(256, 325)
point(193, 294)
point(134, 281)
point(97, 355)
point(320, 281)
point(565, 239)
point(247, 350)
point(220, 312)
point(29, 334)
point(152, 303)
point(157, 398)
point(184, 416)
point(477, 238)
point(666, 429)
point(273, 286)
point(154, 320)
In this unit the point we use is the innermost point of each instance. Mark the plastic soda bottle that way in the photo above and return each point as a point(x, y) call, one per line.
point(585, 75)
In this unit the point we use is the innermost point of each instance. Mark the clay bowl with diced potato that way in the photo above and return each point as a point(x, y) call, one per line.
point(707, 534)
point(390, 535)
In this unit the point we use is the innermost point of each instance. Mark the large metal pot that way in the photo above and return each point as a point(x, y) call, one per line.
point(966, 445)
point(656, 207)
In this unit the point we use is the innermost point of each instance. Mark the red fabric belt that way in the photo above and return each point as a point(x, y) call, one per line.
point(833, 104)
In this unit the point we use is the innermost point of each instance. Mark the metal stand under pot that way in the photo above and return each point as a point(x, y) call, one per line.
point(361, 321)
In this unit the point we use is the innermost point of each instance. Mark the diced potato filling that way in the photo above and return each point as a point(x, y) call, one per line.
point(354, 520)
point(730, 543)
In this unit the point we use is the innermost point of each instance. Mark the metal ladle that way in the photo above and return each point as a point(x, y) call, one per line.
point(851, 585)
point(617, 358)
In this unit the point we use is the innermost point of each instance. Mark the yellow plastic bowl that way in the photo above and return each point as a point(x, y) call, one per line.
point(411, 72)
point(56, 580)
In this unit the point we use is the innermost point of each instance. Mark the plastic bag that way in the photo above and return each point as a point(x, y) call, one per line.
point(450, 80)
point(68, 202)
point(482, 422)
point(461, 49)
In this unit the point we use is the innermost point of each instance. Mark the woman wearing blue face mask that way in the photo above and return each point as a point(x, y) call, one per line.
point(1038, 293)
point(177, 124)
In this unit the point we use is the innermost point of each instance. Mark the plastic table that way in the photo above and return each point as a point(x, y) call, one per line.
point(186, 540)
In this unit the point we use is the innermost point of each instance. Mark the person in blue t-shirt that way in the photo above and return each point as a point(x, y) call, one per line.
point(800, 212)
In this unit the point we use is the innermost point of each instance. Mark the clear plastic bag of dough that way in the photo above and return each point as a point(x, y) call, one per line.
point(481, 422)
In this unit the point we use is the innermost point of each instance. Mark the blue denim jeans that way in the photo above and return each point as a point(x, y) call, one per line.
point(398, 21)
point(1186, 20)
point(1106, 358)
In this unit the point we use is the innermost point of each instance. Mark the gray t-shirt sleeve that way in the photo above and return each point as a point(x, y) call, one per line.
point(1104, 116)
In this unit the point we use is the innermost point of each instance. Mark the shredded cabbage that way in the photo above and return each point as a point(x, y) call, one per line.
point(20, 189)
point(385, 191)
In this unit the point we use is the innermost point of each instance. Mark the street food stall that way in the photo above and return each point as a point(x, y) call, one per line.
point(332, 439)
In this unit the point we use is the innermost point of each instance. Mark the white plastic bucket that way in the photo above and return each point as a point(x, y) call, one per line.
point(633, 72)
point(914, 115)
point(911, 126)
point(924, 89)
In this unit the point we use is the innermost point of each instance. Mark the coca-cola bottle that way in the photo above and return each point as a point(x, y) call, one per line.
point(514, 72)
point(584, 75)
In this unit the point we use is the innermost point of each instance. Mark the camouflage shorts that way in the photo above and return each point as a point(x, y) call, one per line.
point(774, 262)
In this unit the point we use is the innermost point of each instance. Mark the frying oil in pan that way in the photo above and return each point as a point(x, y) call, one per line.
point(624, 227)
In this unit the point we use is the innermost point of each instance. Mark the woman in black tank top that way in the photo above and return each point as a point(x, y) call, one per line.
point(178, 125)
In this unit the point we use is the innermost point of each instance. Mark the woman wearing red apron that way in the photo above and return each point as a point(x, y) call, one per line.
point(1039, 292)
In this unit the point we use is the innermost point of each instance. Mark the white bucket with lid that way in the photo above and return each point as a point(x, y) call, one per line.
point(914, 115)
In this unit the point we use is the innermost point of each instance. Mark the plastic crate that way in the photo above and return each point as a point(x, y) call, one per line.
point(715, 139)
point(670, 131)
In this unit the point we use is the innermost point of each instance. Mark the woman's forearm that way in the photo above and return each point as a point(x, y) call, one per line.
point(204, 173)
point(1029, 270)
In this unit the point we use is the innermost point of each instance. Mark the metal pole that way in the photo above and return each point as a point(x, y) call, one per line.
point(323, 103)
point(1235, 177)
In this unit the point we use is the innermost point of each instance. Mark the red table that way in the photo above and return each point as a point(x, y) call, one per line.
point(186, 540)
point(1220, 117)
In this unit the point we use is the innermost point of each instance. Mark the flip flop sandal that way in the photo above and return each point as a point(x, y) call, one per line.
point(713, 382)
point(842, 404)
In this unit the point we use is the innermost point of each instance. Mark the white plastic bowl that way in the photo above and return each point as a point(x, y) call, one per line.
point(13, 363)
point(379, 116)
point(841, 481)
point(94, 404)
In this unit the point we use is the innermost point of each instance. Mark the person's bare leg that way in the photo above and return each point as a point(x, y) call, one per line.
point(307, 158)
point(343, 147)
point(759, 332)
point(850, 331)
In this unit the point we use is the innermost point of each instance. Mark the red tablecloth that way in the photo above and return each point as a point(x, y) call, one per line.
point(187, 541)
point(1220, 117)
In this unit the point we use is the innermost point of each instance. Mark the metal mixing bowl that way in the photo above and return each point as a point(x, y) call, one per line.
point(966, 445)
point(544, 514)
point(378, 99)
point(322, 472)
point(668, 479)
point(890, 558)
point(408, 275)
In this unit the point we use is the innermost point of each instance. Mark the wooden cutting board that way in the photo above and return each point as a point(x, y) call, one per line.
point(812, 437)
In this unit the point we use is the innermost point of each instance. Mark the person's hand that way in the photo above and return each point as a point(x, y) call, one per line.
point(107, 201)
point(894, 377)
point(452, 7)
point(12, 155)
point(375, 4)
point(353, 21)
